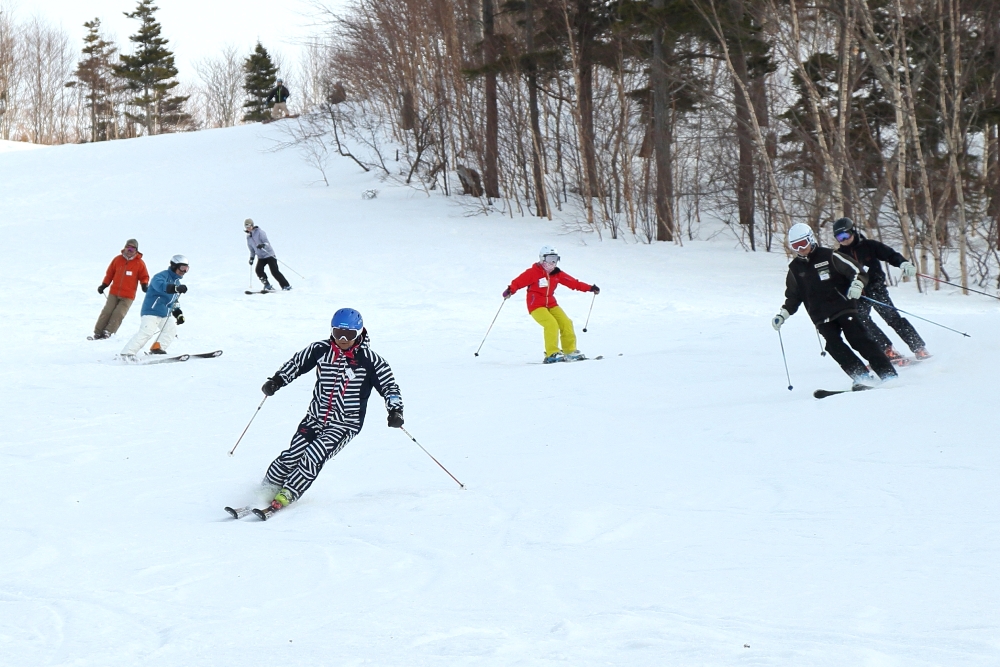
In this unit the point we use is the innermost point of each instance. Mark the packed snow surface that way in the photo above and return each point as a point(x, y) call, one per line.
point(671, 504)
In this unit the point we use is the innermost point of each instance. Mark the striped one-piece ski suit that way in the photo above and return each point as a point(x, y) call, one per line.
point(344, 381)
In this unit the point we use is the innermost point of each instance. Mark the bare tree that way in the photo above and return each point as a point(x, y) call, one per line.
point(48, 61)
point(221, 91)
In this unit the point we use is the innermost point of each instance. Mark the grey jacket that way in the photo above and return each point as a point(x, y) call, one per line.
point(258, 237)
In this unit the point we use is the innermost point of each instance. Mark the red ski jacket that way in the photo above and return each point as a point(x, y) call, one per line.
point(542, 286)
point(124, 274)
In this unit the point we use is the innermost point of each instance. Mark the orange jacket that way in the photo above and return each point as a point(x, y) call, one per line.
point(124, 274)
point(542, 286)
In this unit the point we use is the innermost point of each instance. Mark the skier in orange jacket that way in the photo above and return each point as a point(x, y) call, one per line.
point(542, 279)
point(124, 274)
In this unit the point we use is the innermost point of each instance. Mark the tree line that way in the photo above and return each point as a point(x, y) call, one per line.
point(52, 93)
point(652, 116)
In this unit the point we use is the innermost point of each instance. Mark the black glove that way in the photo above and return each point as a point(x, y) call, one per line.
point(272, 385)
point(260, 246)
point(144, 287)
point(100, 290)
point(181, 289)
point(179, 315)
point(251, 260)
point(595, 289)
point(395, 418)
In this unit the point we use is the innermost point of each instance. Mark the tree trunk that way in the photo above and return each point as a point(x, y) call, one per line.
point(541, 207)
point(744, 137)
point(586, 96)
point(490, 171)
point(661, 135)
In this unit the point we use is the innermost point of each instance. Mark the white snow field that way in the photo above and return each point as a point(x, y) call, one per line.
point(671, 504)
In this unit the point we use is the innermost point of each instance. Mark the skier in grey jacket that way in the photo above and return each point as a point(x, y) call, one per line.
point(261, 248)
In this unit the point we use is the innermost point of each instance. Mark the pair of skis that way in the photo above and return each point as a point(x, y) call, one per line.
point(262, 514)
point(179, 357)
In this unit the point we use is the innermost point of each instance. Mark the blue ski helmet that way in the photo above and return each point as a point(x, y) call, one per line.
point(347, 318)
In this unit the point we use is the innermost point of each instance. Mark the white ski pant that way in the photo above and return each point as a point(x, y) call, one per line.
point(164, 328)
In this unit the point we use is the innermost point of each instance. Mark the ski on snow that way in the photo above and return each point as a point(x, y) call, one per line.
point(569, 361)
point(823, 393)
point(163, 360)
point(240, 512)
point(260, 291)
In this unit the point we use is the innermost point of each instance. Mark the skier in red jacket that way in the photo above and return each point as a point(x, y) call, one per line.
point(542, 279)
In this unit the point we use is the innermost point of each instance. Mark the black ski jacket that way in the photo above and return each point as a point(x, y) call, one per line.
point(867, 253)
point(279, 94)
point(820, 281)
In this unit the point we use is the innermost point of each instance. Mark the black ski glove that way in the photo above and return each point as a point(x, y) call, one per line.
point(100, 290)
point(181, 289)
point(272, 385)
point(251, 260)
point(179, 315)
point(144, 287)
point(395, 418)
point(260, 246)
point(595, 289)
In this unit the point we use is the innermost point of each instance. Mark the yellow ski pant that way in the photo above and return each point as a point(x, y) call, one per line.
point(556, 323)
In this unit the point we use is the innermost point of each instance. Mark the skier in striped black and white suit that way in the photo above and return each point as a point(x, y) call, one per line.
point(346, 371)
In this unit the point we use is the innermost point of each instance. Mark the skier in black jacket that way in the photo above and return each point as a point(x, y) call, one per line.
point(868, 253)
point(279, 95)
point(828, 284)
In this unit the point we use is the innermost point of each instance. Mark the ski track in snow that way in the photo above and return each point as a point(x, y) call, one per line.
point(665, 506)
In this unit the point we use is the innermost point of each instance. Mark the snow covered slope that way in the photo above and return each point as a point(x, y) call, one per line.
point(672, 504)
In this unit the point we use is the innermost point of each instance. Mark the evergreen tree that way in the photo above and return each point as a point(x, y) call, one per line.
point(95, 74)
point(261, 77)
point(150, 74)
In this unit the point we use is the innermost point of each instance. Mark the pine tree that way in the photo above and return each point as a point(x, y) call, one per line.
point(150, 74)
point(95, 74)
point(261, 77)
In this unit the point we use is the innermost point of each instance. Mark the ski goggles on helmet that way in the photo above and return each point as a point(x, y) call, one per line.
point(344, 334)
point(801, 244)
point(551, 259)
point(844, 235)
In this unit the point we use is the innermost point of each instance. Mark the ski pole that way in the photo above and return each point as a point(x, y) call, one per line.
point(589, 312)
point(822, 350)
point(251, 276)
point(783, 358)
point(291, 269)
point(900, 310)
point(429, 454)
point(490, 329)
point(248, 426)
point(959, 286)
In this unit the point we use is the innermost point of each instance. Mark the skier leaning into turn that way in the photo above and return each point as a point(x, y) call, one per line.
point(346, 371)
point(542, 279)
point(867, 253)
point(829, 284)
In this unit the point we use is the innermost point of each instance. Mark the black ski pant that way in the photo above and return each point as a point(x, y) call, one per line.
point(313, 444)
point(902, 326)
point(850, 325)
point(271, 263)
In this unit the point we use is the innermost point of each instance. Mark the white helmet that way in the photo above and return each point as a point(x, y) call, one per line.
point(248, 224)
point(798, 233)
point(546, 251)
point(178, 260)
